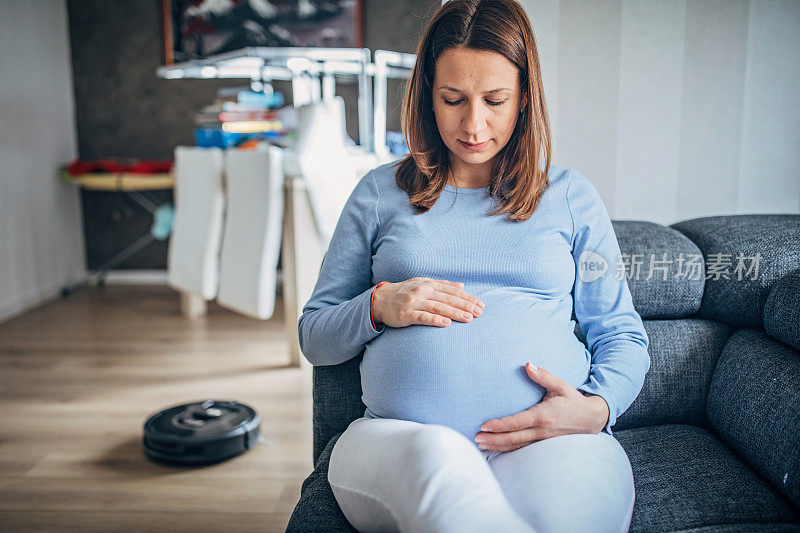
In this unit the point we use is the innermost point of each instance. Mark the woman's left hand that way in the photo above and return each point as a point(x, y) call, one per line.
point(562, 411)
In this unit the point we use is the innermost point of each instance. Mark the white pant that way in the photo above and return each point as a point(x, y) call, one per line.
point(396, 475)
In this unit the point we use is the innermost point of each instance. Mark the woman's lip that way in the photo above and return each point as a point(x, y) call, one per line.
point(474, 147)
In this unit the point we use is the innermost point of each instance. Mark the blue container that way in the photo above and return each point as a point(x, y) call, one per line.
point(215, 137)
point(208, 137)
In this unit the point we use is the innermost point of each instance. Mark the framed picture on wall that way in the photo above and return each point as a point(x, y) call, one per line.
point(196, 29)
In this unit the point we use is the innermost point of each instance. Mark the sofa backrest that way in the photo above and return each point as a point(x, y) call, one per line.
point(753, 396)
point(782, 310)
point(688, 325)
point(666, 273)
point(745, 256)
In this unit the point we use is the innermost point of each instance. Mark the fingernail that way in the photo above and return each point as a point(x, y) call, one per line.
point(485, 428)
point(533, 367)
point(481, 303)
point(479, 440)
point(477, 310)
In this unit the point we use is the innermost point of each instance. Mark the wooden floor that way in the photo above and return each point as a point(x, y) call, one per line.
point(79, 376)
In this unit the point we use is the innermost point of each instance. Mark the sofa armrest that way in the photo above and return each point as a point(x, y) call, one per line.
point(317, 509)
point(752, 405)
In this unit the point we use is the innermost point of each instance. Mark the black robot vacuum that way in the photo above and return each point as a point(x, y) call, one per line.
point(201, 433)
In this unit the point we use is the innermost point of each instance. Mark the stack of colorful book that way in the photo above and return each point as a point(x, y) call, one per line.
point(251, 115)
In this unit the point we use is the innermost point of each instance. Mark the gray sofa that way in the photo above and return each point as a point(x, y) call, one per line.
point(714, 435)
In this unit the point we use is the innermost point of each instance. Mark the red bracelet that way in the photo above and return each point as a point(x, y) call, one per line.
point(372, 297)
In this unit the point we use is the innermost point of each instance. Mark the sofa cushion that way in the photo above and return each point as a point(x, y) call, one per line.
point(337, 400)
point(744, 528)
point(664, 268)
point(683, 354)
point(782, 310)
point(686, 478)
point(770, 244)
point(753, 406)
point(317, 509)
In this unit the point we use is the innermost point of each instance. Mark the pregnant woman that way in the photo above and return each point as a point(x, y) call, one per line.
point(456, 270)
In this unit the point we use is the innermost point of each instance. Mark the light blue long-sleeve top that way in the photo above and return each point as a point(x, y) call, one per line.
point(526, 273)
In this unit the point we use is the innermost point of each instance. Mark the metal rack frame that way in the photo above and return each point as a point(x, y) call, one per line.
point(313, 73)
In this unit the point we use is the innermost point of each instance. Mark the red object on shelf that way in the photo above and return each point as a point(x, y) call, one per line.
point(79, 166)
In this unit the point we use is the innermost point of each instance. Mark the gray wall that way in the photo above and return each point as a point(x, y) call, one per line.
point(676, 109)
point(40, 241)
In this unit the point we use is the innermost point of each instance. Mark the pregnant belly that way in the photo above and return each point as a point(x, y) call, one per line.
point(467, 373)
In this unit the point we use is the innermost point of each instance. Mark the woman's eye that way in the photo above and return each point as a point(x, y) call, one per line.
point(490, 102)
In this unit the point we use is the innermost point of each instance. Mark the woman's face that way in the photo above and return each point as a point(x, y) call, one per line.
point(476, 100)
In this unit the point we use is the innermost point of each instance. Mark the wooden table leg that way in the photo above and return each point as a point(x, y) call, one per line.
point(301, 257)
point(192, 305)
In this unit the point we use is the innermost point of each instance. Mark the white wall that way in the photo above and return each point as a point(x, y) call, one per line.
point(675, 109)
point(41, 243)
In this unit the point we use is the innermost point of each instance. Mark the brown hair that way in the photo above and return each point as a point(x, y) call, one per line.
point(498, 26)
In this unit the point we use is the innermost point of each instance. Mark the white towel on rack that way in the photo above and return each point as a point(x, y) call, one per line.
point(323, 161)
point(253, 226)
point(193, 253)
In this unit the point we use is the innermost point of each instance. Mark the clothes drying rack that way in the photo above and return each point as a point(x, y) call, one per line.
point(314, 73)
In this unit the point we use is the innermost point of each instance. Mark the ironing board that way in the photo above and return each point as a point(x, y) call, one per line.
point(135, 186)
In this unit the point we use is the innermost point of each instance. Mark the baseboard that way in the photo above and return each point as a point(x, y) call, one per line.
point(150, 277)
point(113, 277)
point(136, 277)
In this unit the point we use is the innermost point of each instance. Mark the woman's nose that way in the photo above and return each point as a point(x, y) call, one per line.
point(474, 119)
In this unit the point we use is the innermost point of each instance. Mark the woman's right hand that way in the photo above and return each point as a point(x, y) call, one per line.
point(426, 301)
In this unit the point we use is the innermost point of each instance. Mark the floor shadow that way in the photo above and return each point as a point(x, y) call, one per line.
point(129, 459)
